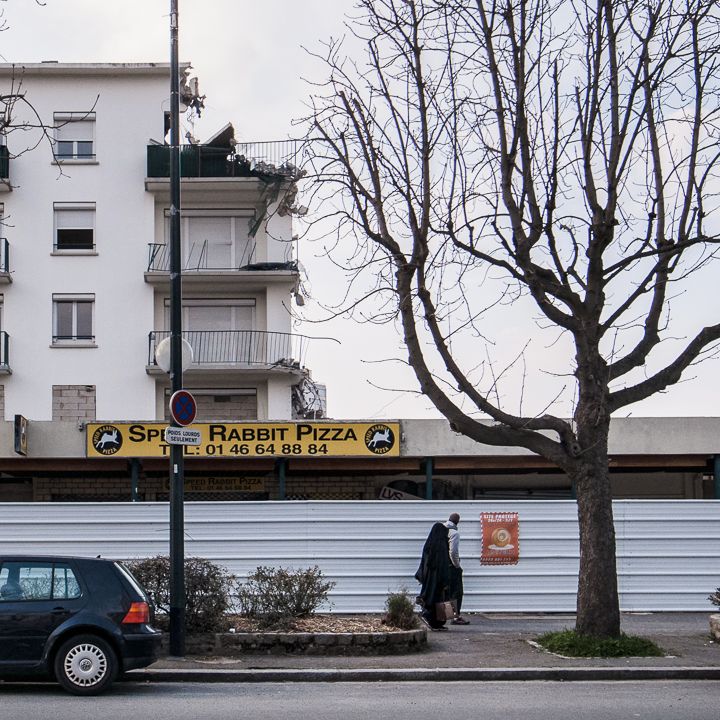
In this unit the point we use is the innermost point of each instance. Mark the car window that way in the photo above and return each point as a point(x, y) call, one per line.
point(131, 579)
point(9, 587)
point(65, 585)
point(37, 581)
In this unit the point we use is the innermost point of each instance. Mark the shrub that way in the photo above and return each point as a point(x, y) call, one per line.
point(399, 611)
point(715, 597)
point(275, 596)
point(569, 643)
point(207, 591)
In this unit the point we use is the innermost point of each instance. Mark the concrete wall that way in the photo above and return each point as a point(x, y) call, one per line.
point(46, 439)
point(277, 231)
point(74, 402)
point(628, 436)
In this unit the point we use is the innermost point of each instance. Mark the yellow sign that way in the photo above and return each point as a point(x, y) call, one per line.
point(301, 439)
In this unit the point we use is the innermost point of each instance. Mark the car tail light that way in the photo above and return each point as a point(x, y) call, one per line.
point(139, 612)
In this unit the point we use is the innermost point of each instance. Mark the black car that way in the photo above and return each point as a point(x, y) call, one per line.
point(82, 620)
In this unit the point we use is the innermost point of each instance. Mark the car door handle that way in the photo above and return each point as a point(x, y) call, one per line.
point(59, 611)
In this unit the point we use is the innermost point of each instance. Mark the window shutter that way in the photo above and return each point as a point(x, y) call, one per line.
point(71, 218)
point(75, 130)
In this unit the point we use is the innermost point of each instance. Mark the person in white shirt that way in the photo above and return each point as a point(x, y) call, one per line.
point(456, 573)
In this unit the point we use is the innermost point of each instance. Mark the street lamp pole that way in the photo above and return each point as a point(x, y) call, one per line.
point(177, 470)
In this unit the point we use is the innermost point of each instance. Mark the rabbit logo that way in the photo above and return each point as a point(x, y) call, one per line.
point(107, 440)
point(379, 439)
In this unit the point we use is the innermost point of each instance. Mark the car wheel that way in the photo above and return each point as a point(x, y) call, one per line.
point(85, 665)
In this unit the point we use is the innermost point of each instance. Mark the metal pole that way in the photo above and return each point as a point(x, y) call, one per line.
point(134, 478)
point(280, 467)
point(177, 471)
point(429, 465)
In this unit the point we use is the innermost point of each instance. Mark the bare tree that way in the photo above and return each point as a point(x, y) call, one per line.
point(18, 115)
point(558, 152)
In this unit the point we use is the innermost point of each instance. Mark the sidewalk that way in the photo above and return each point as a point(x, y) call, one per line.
point(494, 646)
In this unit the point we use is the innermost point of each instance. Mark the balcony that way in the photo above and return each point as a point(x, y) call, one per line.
point(201, 271)
point(256, 159)
point(5, 276)
point(196, 161)
point(197, 260)
point(223, 171)
point(4, 354)
point(4, 169)
point(237, 350)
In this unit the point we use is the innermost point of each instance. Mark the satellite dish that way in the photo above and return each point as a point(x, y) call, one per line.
point(162, 354)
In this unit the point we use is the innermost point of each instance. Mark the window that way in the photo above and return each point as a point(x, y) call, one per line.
point(37, 581)
point(215, 239)
point(74, 136)
point(227, 314)
point(74, 227)
point(65, 585)
point(221, 331)
point(73, 319)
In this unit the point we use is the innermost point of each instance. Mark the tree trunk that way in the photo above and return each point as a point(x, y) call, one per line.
point(597, 599)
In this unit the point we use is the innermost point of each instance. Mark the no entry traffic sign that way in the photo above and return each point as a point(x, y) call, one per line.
point(183, 407)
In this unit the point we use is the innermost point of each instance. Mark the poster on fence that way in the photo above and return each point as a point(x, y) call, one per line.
point(500, 538)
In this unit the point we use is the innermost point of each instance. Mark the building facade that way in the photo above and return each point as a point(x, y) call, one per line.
point(84, 311)
point(85, 254)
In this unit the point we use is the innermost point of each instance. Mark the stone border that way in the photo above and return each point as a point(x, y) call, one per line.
point(304, 643)
point(715, 627)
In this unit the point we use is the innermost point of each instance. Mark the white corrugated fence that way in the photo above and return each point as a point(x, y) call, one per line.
point(668, 551)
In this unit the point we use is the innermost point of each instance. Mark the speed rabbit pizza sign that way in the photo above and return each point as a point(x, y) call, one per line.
point(228, 440)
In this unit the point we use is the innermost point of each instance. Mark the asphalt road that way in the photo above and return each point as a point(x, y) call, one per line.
point(672, 700)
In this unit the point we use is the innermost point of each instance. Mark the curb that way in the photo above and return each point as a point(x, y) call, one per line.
point(424, 674)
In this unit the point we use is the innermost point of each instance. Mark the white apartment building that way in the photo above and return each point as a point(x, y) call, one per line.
point(84, 265)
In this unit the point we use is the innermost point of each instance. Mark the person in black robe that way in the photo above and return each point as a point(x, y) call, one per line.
point(434, 575)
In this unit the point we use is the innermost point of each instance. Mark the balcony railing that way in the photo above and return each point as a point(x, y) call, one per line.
point(72, 339)
point(197, 260)
point(4, 351)
point(202, 161)
point(4, 255)
point(4, 162)
point(271, 152)
point(233, 348)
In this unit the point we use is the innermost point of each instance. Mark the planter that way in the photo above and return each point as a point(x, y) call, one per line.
point(304, 643)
